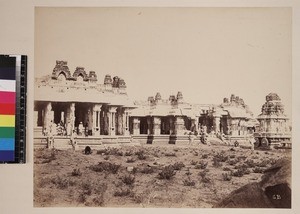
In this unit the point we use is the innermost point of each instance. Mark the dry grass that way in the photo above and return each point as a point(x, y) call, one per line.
point(146, 176)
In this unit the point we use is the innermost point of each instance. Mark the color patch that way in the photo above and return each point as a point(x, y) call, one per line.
point(7, 108)
point(8, 85)
point(7, 132)
point(7, 97)
point(7, 155)
point(7, 143)
point(7, 120)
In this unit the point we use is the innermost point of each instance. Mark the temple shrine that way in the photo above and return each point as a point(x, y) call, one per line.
point(273, 130)
point(76, 106)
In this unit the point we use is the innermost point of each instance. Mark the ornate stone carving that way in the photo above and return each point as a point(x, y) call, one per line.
point(157, 96)
point(122, 83)
point(107, 80)
point(93, 76)
point(115, 83)
point(272, 105)
point(79, 71)
point(272, 97)
point(61, 67)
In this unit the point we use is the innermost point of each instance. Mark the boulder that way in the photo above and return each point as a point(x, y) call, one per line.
point(273, 191)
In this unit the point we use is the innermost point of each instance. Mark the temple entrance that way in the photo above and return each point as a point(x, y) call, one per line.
point(143, 125)
point(165, 125)
point(59, 110)
point(83, 119)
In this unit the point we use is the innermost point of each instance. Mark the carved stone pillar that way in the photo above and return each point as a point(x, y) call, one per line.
point(197, 124)
point(70, 119)
point(156, 125)
point(179, 125)
point(126, 122)
point(112, 120)
point(96, 119)
point(36, 118)
point(216, 124)
point(48, 118)
point(136, 126)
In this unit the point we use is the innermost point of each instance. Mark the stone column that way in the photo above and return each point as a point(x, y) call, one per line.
point(112, 120)
point(179, 125)
point(96, 119)
point(216, 123)
point(71, 119)
point(136, 126)
point(156, 125)
point(36, 118)
point(126, 122)
point(48, 118)
point(197, 124)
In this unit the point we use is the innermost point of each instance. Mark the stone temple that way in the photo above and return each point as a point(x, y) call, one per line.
point(273, 127)
point(78, 106)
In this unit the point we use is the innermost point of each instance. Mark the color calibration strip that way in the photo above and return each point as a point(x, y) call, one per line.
point(12, 108)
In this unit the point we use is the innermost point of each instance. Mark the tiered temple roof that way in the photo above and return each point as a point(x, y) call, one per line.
point(62, 86)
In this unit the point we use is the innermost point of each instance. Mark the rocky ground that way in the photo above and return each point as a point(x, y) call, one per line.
point(148, 175)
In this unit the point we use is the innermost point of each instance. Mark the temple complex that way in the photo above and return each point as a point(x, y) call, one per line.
point(75, 106)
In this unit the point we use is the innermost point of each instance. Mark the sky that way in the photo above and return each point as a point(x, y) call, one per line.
point(206, 53)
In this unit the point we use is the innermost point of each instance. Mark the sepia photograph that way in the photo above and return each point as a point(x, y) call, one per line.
point(162, 107)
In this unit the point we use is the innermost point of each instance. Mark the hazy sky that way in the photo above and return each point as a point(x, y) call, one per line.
point(207, 53)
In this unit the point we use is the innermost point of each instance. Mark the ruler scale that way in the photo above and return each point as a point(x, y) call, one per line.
point(13, 69)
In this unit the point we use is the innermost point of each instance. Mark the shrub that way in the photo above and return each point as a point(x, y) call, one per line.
point(62, 183)
point(130, 160)
point(226, 169)
point(76, 172)
point(204, 178)
point(204, 156)
point(202, 174)
point(47, 156)
point(141, 154)
point(128, 179)
point(170, 154)
point(216, 162)
point(147, 170)
point(188, 182)
point(232, 162)
point(106, 158)
point(250, 163)
point(178, 166)
point(81, 198)
point(128, 153)
point(101, 151)
point(263, 163)
point(221, 157)
point(100, 188)
point(203, 165)
point(86, 188)
point(99, 200)
point(238, 173)
point(167, 172)
point(105, 166)
point(258, 170)
point(232, 156)
point(194, 162)
point(123, 192)
point(226, 176)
